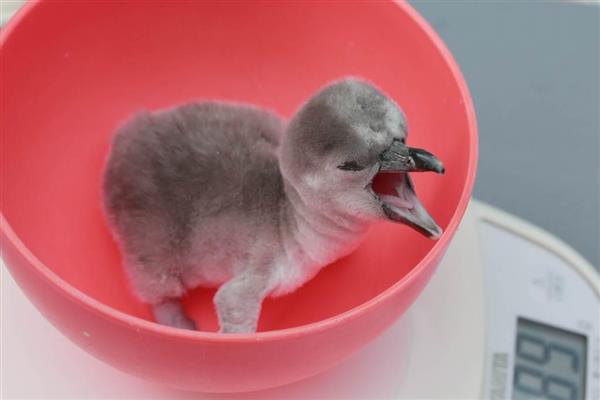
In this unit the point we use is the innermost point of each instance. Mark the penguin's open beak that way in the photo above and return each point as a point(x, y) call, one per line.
point(396, 192)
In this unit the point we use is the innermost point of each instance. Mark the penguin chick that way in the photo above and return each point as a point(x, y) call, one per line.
point(219, 195)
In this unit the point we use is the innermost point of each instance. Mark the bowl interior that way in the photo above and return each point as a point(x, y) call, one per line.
point(73, 70)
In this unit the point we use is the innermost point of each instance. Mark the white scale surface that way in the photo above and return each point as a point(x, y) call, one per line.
point(456, 341)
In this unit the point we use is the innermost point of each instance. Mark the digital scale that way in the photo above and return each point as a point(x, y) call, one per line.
point(512, 312)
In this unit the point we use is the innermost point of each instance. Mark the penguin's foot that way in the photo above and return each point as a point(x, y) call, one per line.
point(171, 313)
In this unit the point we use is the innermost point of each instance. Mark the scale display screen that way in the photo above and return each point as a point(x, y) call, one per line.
point(550, 363)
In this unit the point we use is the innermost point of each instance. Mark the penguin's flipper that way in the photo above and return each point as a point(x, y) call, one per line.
point(239, 300)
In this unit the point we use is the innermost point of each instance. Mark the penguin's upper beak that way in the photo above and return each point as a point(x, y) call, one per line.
point(396, 191)
point(401, 158)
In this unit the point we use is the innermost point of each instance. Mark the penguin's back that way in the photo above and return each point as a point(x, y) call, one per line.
point(172, 173)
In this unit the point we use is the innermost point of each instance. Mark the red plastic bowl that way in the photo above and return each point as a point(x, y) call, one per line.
point(71, 71)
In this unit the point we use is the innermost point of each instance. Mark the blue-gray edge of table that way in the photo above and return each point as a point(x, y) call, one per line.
point(533, 68)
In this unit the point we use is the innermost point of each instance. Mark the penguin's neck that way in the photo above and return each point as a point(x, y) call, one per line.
point(314, 237)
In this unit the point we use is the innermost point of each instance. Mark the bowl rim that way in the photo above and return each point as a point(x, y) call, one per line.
point(7, 233)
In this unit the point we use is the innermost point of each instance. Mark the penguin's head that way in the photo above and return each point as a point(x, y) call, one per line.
point(344, 137)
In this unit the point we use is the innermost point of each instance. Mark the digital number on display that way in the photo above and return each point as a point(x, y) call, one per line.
point(550, 363)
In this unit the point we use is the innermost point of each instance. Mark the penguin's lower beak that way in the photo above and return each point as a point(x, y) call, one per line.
point(396, 192)
point(400, 203)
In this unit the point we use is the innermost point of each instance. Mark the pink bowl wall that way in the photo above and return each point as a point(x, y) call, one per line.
point(72, 71)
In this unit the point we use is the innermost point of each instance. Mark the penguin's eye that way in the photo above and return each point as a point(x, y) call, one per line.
point(350, 166)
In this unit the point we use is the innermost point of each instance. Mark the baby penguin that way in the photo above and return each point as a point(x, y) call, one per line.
point(220, 195)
